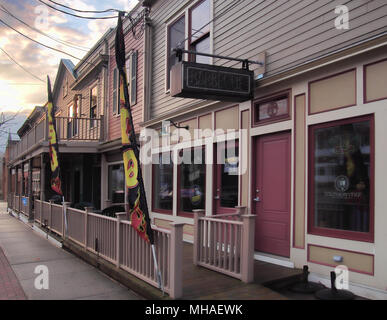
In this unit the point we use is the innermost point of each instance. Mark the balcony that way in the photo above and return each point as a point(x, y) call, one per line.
point(70, 130)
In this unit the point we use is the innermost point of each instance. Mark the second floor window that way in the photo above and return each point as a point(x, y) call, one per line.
point(93, 104)
point(131, 74)
point(197, 21)
point(65, 88)
point(176, 35)
point(116, 92)
point(200, 31)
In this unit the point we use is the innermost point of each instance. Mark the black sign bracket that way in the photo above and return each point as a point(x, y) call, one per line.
point(245, 62)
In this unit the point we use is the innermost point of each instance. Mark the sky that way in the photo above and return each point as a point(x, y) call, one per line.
point(20, 91)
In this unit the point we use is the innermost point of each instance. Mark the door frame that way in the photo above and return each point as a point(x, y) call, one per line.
point(254, 168)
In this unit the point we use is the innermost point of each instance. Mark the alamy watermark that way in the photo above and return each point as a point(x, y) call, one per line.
point(342, 20)
point(342, 277)
point(190, 147)
point(42, 280)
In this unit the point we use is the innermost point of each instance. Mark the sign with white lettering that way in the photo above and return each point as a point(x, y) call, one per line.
point(203, 81)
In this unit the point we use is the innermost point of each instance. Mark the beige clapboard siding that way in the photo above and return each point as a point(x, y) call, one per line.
point(291, 32)
point(306, 37)
point(160, 101)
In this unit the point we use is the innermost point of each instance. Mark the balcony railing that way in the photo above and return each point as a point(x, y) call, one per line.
point(68, 129)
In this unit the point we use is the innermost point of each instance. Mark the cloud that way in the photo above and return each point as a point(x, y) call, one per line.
point(41, 61)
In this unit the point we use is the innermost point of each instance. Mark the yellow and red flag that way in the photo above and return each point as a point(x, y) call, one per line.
point(56, 183)
point(136, 198)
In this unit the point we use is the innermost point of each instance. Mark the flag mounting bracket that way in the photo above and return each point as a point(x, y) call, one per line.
point(245, 62)
point(179, 127)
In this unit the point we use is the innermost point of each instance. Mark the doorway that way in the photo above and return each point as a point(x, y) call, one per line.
point(271, 191)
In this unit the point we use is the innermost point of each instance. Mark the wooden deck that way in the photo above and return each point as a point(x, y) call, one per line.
point(201, 283)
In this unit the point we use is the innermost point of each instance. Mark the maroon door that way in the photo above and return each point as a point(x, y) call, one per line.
point(271, 194)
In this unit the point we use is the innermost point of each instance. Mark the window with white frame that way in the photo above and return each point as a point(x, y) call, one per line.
point(116, 92)
point(65, 88)
point(93, 104)
point(131, 74)
point(197, 19)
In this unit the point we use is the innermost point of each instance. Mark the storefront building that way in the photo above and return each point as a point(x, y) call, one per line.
point(306, 154)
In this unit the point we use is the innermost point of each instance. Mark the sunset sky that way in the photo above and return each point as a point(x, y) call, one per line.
point(20, 91)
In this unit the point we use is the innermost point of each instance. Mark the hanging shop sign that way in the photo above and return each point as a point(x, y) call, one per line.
point(203, 81)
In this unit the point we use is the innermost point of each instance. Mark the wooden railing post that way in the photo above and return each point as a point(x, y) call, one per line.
point(176, 260)
point(65, 206)
point(120, 216)
point(198, 213)
point(101, 128)
point(41, 212)
point(50, 220)
point(247, 248)
point(87, 210)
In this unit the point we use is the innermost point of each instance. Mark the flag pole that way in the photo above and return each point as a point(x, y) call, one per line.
point(138, 211)
point(56, 181)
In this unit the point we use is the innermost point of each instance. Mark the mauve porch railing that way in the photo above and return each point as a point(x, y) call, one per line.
point(114, 240)
point(19, 204)
point(78, 129)
point(225, 243)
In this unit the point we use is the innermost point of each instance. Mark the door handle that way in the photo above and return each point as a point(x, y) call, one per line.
point(257, 199)
point(216, 197)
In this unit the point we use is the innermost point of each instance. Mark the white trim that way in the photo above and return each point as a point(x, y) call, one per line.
point(274, 260)
point(356, 288)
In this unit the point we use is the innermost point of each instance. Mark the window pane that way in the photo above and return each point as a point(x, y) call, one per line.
point(116, 183)
point(176, 36)
point(200, 18)
point(162, 182)
point(192, 181)
point(115, 103)
point(229, 176)
point(204, 47)
point(133, 84)
point(342, 177)
point(94, 96)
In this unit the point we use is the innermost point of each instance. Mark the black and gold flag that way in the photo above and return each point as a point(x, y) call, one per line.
point(136, 198)
point(56, 183)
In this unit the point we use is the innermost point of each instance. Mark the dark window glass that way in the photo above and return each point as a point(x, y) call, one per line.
point(116, 183)
point(176, 36)
point(93, 105)
point(162, 182)
point(228, 175)
point(133, 79)
point(341, 161)
point(116, 91)
point(192, 180)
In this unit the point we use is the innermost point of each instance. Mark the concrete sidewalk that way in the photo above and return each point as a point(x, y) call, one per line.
point(69, 277)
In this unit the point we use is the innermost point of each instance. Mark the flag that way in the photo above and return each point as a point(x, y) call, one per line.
point(136, 198)
point(56, 183)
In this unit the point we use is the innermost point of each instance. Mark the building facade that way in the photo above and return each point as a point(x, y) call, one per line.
point(307, 152)
point(87, 113)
